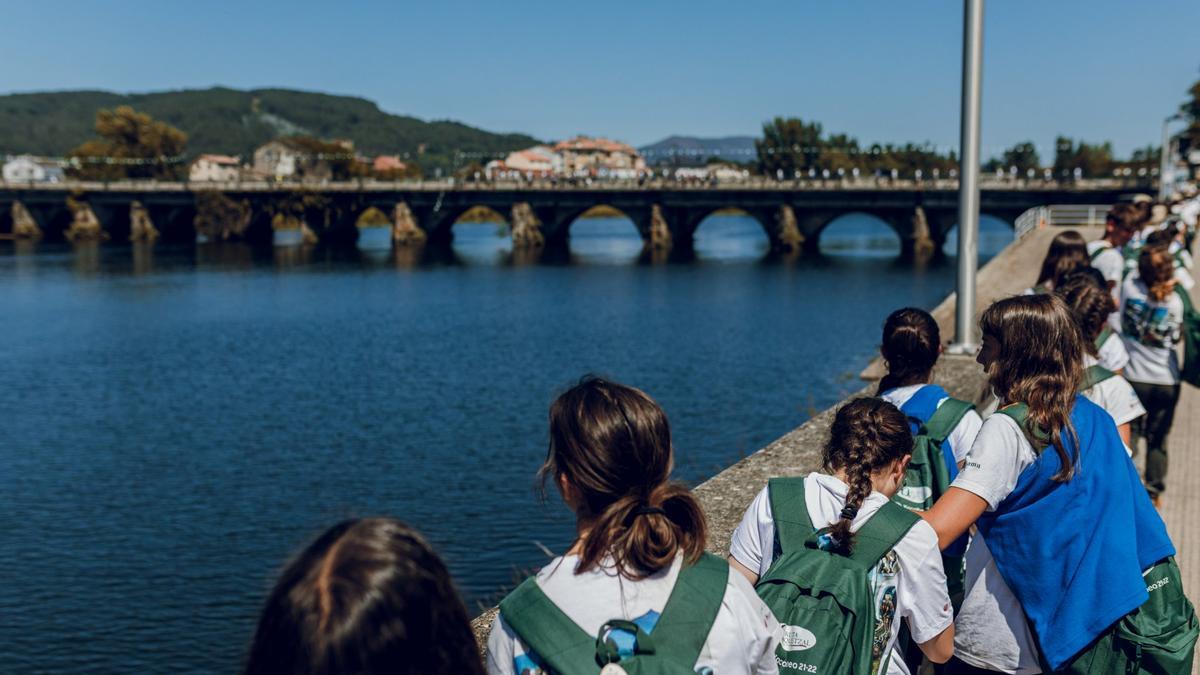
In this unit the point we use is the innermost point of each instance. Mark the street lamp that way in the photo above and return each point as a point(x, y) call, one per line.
point(1164, 159)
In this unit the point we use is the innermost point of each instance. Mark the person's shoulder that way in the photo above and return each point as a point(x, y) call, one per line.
point(920, 539)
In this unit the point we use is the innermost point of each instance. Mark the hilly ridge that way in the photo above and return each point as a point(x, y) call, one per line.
point(233, 121)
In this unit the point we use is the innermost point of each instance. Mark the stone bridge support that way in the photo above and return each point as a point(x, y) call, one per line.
point(785, 235)
point(526, 227)
point(23, 224)
point(920, 242)
point(658, 235)
point(141, 226)
point(85, 226)
point(405, 231)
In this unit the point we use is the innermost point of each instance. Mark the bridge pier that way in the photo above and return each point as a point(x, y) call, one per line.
point(404, 227)
point(85, 226)
point(526, 227)
point(141, 227)
point(658, 234)
point(920, 242)
point(23, 224)
point(786, 237)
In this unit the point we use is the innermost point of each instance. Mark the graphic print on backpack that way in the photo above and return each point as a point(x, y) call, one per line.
point(836, 610)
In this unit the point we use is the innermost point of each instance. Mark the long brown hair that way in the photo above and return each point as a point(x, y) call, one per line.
point(1156, 266)
point(368, 596)
point(612, 444)
point(1040, 363)
point(1067, 253)
point(911, 343)
point(867, 435)
point(1090, 304)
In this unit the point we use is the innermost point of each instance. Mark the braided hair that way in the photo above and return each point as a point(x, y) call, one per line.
point(867, 436)
point(1089, 304)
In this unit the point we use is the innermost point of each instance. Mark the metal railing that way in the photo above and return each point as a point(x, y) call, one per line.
point(1061, 215)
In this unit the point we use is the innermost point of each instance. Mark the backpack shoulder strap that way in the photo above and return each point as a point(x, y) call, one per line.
point(1094, 375)
point(1019, 412)
point(1105, 334)
point(690, 612)
point(1188, 307)
point(882, 532)
point(790, 512)
point(1096, 254)
point(946, 417)
point(558, 641)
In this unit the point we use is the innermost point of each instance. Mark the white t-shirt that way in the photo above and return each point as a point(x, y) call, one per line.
point(1112, 353)
point(915, 576)
point(990, 630)
point(963, 434)
point(742, 640)
point(1115, 395)
point(1110, 262)
point(1151, 331)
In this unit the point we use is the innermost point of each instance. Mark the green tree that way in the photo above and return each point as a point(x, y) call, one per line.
point(1024, 156)
point(130, 145)
point(1093, 160)
point(1191, 109)
point(788, 144)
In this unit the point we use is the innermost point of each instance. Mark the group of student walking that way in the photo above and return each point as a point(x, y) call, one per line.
point(933, 539)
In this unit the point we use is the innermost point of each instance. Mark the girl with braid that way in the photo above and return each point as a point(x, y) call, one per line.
point(865, 459)
point(1090, 305)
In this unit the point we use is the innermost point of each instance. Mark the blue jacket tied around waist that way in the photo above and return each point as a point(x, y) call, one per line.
point(1073, 553)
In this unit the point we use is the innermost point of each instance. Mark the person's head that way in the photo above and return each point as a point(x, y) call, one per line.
point(1156, 266)
point(1067, 253)
point(368, 596)
point(1033, 353)
point(1159, 212)
point(870, 443)
point(911, 346)
point(610, 456)
point(1162, 237)
point(1121, 224)
point(1143, 210)
point(1087, 276)
point(1090, 304)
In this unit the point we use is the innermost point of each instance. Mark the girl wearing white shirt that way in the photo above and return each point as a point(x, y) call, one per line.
point(865, 459)
point(1151, 325)
point(638, 534)
point(1102, 385)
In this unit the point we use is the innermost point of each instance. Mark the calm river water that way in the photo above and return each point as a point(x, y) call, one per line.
point(178, 421)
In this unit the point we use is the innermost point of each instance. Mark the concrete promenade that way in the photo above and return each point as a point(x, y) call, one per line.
point(726, 495)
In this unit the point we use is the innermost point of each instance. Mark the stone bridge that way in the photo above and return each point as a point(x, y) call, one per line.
point(667, 217)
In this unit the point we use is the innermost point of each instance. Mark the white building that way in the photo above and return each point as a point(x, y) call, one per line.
point(214, 168)
point(30, 169)
point(276, 158)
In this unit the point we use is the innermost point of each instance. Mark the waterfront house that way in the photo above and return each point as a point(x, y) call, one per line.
point(585, 156)
point(31, 169)
point(214, 168)
point(287, 158)
point(388, 163)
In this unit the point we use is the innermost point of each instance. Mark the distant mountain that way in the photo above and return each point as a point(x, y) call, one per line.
point(234, 122)
point(691, 150)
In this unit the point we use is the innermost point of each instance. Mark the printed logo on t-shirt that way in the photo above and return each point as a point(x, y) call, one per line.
point(797, 639)
point(915, 494)
point(1152, 326)
point(883, 584)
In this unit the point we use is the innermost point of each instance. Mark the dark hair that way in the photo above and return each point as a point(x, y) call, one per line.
point(1090, 305)
point(1162, 236)
point(1067, 253)
point(1156, 266)
point(612, 444)
point(910, 346)
point(1126, 217)
point(1040, 363)
point(1143, 211)
point(1088, 276)
point(368, 596)
point(866, 436)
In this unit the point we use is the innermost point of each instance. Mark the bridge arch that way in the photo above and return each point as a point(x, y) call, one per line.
point(861, 232)
point(995, 233)
point(734, 232)
point(601, 231)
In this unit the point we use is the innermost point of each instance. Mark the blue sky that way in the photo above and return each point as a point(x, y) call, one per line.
point(639, 71)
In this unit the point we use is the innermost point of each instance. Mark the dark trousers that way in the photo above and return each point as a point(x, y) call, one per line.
point(1159, 401)
point(956, 667)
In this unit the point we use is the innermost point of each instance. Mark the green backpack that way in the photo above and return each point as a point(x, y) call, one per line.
point(1158, 638)
point(1191, 340)
point(825, 602)
point(1105, 334)
point(1094, 375)
point(671, 648)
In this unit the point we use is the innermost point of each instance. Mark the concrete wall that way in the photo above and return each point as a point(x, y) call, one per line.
point(726, 495)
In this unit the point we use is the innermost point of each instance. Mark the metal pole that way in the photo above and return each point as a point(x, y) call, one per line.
point(1164, 159)
point(968, 187)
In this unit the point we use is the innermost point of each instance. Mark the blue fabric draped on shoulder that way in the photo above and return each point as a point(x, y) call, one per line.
point(1073, 553)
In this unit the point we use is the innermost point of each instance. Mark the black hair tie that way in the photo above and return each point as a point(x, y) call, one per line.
point(849, 512)
point(647, 511)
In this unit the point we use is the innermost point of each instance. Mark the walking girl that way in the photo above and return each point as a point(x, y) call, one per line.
point(831, 533)
point(1048, 467)
point(1151, 325)
point(635, 589)
point(1068, 252)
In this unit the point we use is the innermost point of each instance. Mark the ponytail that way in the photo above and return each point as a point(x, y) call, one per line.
point(867, 435)
point(612, 444)
point(910, 346)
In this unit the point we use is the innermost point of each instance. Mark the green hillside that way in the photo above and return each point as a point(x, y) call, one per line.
point(230, 121)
